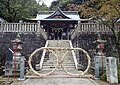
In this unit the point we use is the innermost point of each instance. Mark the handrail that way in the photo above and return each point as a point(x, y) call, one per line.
point(18, 27)
point(93, 28)
point(42, 32)
point(33, 27)
point(74, 57)
point(23, 28)
point(43, 55)
point(74, 33)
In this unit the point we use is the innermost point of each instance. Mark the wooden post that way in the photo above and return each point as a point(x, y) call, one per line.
point(47, 32)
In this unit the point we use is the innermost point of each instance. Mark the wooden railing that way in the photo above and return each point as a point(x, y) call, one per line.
point(22, 28)
point(93, 28)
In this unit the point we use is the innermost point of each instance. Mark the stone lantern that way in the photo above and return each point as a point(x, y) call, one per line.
point(100, 57)
point(100, 45)
point(17, 55)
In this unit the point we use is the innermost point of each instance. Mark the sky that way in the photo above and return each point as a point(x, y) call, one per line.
point(47, 2)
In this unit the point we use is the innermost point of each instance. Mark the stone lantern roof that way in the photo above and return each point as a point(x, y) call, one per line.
point(17, 41)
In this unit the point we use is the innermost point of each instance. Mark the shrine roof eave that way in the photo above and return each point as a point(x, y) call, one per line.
point(43, 17)
point(56, 19)
point(59, 20)
point(75, 19)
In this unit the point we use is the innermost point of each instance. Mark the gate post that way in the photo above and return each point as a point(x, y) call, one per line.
point(111, 70)
point(97, 67)
point(22, 66)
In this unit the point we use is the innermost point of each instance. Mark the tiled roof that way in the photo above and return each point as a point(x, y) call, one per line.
point(46, 15)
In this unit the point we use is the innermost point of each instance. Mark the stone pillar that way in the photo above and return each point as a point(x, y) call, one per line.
point(20, 26)
point(111, 70)
point(97, 67)
point(38, 28)
point(22, 67)
point(9, 62)
point(2, 27)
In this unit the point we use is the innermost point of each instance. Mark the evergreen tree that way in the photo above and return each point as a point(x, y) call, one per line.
point(14, 10)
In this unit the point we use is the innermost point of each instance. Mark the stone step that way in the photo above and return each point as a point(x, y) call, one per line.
point(49, 69)
point(59, 72)
point(44, 67)
point(69, 63)
point(54, 60)
point(66, 60)
point(55, 64)
point(49, 63)
point(58, 66)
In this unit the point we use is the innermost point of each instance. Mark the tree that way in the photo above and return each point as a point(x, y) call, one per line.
point(108, 12)
point(14, 10)
point(59, 3)
point(54, 5)
point(84, 10)
point(78, 1)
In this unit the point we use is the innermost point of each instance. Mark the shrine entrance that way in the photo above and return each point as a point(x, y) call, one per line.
point(58, 24)
point(58, 34)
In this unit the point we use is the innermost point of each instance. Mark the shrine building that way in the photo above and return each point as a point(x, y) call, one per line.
point(59, 25)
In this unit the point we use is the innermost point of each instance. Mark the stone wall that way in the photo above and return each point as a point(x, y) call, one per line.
point(31, 41)
point(86, 41)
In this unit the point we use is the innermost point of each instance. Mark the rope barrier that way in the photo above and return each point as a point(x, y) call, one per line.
point(59, 62)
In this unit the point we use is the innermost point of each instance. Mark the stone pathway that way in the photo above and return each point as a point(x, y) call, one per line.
point(60, 81)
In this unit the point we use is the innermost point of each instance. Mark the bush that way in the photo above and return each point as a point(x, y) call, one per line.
point(1, 83)
point(119, 73)
point(103, 76)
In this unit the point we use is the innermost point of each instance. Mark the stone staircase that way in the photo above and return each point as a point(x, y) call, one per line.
point(49, 62)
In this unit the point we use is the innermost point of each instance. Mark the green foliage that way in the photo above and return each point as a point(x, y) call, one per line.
point(78, 1)
point(61, 3)
point(108, 12)
point(54, 5)
point(14, 10)
point(103, 76)
point(1, 83)
point(119, 73)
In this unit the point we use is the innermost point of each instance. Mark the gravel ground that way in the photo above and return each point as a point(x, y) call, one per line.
point(100, 82)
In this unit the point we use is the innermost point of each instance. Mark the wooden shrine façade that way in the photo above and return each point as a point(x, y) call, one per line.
point(58, 24)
